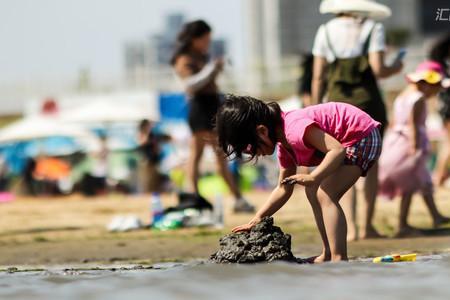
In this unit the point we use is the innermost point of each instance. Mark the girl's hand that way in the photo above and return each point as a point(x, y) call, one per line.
point(302, 179)
point(219, 62)
point(246, 227)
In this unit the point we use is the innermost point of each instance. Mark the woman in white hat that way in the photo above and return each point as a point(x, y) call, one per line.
point(349, 51)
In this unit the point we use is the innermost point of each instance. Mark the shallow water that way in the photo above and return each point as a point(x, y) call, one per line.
point(428, 278)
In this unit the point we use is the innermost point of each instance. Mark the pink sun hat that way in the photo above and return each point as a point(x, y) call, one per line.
point(431, 72)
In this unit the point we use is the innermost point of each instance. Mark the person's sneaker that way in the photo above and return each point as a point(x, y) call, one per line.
point(243, 206)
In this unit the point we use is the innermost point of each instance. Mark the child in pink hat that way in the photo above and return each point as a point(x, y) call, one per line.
point(402, 163)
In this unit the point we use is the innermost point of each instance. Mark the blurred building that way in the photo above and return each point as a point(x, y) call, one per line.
point(277, 31)
point(147, 62)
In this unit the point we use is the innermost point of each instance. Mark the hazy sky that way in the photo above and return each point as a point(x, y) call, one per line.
point(53, 39)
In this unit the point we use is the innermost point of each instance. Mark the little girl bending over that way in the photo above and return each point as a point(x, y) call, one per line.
point(403, 163)
point(340, 139)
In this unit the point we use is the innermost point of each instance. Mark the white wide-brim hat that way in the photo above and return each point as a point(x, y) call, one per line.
point(367, 8)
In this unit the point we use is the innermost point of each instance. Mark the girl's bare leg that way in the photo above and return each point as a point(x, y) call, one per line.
point(240, 204)
point(370, 195)
point(224, 171)
point(329, 216)
point(348, 203)
point(329, 193)
point(441, 172)
point(404, 229)
point(438, 218)
point(197, 145)
point(311, 194)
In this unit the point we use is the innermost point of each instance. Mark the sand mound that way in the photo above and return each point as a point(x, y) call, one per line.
point(263, 243)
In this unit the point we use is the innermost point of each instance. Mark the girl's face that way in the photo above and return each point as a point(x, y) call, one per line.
point(202, 43)
point(266, 146)
point(430, 90)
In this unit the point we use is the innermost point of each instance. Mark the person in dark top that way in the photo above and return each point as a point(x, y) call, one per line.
point(149, 148)
point(28, 178)
point(149, 142)
point(440, 53)
point(305, 80)
point(198, 76)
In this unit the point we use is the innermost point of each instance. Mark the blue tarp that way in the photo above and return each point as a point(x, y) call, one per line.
point(173, 107)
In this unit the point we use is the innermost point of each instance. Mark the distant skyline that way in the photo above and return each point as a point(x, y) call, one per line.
point(51, 40)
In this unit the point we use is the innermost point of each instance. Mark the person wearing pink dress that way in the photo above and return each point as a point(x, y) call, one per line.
point(403, 161)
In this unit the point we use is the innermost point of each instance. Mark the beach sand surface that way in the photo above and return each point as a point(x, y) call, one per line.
point(72, 230)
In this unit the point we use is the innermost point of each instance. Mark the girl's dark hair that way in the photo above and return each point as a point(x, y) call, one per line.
point(190, 31)
point(236, 123)
point(440, 51)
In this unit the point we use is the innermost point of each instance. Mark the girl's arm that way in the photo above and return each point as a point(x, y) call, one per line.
point(418, 109)
point(279, 196)
point(334, 156)
point(194, 82)
point(379, 69)
point(317, 86)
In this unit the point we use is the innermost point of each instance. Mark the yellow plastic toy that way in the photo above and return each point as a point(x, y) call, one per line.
point(395, 258)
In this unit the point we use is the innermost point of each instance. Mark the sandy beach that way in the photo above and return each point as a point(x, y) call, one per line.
point(72, 231)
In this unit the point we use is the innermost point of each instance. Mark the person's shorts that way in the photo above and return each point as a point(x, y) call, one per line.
point(365, 152)
point(202, 112)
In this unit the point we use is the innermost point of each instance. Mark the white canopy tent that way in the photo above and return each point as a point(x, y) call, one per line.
point(32, 128)
point(111, 109)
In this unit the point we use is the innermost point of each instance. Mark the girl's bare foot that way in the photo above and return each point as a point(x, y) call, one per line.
point(408, 231)
point(440, 179)
point(318, 259)
point(371, 233)
point(352, 234)
point(338, 258)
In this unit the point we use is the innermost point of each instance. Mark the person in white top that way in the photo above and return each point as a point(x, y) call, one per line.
point(349, 51)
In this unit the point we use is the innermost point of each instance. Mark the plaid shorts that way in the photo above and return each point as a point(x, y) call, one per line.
point(365, 152)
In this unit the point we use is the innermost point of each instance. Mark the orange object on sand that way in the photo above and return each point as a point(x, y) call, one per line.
point(51, 168)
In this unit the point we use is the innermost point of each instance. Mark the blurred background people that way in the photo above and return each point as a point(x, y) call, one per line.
point(150, 154)
point(349, 51)
point(4, 175)
point(95, 181)
point(440, 53)
point(48, 174)
point(403, 161)
point(305, 80)
point(198, 75)
point(27, 176)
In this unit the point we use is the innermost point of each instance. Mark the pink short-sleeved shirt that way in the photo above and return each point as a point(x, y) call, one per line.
point(345, 122)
